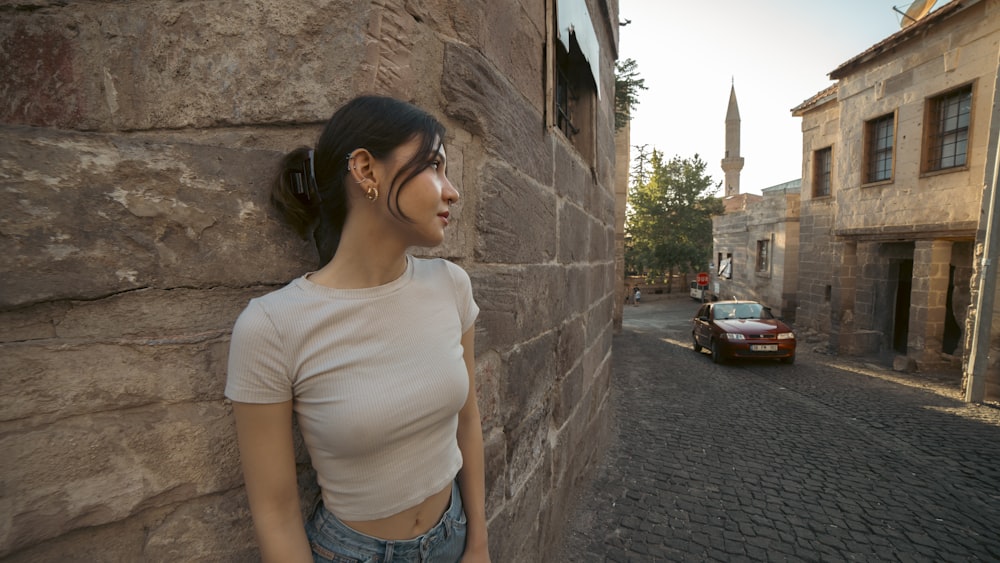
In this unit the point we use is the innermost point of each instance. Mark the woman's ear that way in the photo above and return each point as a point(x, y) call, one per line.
point(361, 165)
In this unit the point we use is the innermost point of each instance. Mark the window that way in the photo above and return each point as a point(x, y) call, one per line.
point(821, 172)
point(726, 266)
point(763, 255)
point(946, 141)
point(575, 54)
point(879, 135)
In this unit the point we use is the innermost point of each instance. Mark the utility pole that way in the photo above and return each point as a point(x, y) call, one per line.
point(976, 368)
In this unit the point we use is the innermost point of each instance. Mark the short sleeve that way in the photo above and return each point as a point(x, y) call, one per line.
point(468, 310)
point(258, 370)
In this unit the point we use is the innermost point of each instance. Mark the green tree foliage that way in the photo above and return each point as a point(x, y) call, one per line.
point(627, 86)
point(669, 216)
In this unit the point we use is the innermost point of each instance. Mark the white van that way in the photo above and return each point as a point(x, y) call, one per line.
point(696, 291)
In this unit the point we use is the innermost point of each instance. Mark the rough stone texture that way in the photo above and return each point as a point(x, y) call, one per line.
point(164, 65)
point(122, 213)
point(137, 144)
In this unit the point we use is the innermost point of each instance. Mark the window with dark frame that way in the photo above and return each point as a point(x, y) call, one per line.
point(821, 172)
point(879, 134)
point(574, 98)
point(564, 92)
point(946, 141)
point(763, 251)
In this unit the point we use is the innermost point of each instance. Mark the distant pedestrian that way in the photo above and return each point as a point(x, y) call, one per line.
point(636, 297)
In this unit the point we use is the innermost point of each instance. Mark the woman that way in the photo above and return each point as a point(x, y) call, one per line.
point(373, 352)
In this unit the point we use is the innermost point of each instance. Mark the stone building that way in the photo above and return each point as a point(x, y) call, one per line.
point(893, 165)
point(137, 142)
point(757, 250)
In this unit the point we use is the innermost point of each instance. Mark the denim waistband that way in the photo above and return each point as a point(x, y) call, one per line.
point(328, 525)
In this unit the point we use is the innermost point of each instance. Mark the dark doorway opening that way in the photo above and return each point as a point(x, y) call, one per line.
point(952, 331)
point(901, 316)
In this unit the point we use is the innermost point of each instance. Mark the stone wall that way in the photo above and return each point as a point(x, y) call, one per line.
point(138, 140)
point(820, 129)
point(775, 218)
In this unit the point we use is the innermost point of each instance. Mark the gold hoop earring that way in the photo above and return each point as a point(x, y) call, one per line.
point(372, 193)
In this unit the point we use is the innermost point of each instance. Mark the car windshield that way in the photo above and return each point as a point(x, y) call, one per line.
point(742, 311)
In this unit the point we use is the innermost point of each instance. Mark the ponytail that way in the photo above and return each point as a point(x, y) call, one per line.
point(295, 193)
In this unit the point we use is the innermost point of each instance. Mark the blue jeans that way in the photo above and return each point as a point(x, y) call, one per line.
point(332, 541)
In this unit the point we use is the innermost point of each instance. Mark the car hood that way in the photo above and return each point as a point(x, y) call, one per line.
point(752, 326)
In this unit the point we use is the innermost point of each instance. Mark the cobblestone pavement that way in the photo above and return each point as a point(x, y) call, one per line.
point(829, 459)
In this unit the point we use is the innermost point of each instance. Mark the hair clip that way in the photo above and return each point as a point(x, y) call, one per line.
point(304, 181)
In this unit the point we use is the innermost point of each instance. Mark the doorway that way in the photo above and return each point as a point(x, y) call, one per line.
point(901, 314)
point(952, 330)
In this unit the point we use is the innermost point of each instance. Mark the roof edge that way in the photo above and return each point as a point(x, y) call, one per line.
point(901, 36)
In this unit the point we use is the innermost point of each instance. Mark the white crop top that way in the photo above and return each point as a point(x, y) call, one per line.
point(376, 376)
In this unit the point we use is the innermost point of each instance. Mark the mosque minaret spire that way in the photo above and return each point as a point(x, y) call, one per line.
point(733, 162)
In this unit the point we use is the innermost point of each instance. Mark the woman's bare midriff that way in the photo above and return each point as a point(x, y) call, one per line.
point(409, 523)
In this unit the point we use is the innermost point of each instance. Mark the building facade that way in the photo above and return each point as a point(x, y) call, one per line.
point(757, 250)
point(138, 141)
point(893, 165)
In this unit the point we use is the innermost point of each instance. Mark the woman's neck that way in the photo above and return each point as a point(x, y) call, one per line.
point(354, 268)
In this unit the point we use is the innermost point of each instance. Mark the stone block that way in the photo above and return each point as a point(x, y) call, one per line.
point(101, 468)
point(128, 66)
point(572, 178)
point(532, 368)
point(490, 371)
point(568, 394)
point(487, 106)
point(575, 234)
point(514, 209)
point(511, 39)
point(519, 304)
point(569, 350)
point(169, 533)
point(55, 380)
point(156, 215)
point(155, 316)
point(577, 290)
point(904, 364)
point(527, 441)
point(495, 462)
point(514, 531)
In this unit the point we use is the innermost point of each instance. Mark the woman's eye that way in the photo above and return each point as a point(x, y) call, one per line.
point(436, 164)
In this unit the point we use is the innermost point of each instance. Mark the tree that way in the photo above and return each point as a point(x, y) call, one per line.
point(627, 86)
point(669, 217)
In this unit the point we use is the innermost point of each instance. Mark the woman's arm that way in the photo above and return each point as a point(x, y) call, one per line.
point(471, 479)
point(268, 456)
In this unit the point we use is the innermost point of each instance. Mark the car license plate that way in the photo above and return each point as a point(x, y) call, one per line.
point(764, 347)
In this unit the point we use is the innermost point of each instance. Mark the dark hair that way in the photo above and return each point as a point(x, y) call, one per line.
point(377, 123)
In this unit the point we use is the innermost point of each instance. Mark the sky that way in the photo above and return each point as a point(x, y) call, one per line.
point(777, 53)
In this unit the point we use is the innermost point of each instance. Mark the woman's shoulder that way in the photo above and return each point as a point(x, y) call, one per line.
point(433, 267)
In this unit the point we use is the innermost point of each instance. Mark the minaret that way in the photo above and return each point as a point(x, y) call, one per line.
point(733, 162)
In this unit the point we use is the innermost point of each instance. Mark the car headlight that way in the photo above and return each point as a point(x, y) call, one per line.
point(733, 336)
point(786, 335)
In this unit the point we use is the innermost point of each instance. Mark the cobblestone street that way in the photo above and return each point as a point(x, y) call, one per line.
point(829, 459)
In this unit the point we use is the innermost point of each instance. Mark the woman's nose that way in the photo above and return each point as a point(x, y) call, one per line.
point(450, 193)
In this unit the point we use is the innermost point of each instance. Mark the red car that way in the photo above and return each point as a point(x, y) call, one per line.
point(740, 330)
